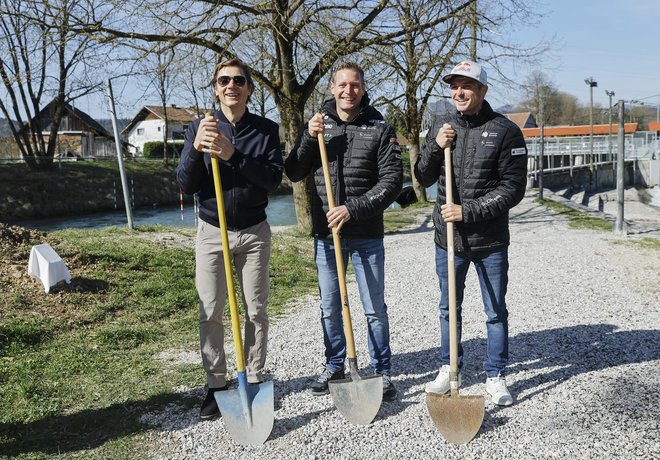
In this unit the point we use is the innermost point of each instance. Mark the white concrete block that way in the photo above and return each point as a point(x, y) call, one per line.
point(47, 266)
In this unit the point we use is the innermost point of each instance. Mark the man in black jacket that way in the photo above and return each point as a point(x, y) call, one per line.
point(250, 160)
point(489, 165)
point(366, 174)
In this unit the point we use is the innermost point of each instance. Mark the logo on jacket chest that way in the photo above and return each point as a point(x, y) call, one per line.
point(488, 139)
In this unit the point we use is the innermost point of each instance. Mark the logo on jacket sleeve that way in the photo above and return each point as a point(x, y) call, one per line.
point(518, 151)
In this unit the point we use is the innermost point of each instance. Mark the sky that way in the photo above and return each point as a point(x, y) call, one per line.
point(617, 42)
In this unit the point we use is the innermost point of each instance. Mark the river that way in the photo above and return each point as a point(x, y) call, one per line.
point(280, 211)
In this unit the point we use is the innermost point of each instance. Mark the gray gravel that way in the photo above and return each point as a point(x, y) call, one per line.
point(584, 366)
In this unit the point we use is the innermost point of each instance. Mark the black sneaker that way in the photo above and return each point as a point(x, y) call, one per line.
point(320, 385)
point(210, 406)
point(389, 392)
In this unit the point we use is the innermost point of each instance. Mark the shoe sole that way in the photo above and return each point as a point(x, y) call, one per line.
point(320, 393)
point(209, 417)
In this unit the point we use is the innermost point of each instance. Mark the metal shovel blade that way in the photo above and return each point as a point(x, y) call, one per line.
point(248, 412)
point(457, 418)
point(358, 399)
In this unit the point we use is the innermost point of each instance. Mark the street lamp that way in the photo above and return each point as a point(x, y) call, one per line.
point(592, 84)
point(609, 140)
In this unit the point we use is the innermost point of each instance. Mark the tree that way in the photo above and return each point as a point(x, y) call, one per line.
point(39, 56)
point(559, 108)
point(302, 40)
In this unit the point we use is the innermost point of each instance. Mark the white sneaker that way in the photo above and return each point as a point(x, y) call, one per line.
point(441, 383)
point(496, 388)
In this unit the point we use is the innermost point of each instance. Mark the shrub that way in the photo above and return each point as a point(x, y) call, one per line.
point(154, 149)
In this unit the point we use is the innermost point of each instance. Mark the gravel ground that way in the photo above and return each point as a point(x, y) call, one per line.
point(584, 365)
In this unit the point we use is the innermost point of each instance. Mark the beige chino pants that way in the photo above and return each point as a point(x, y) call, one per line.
point(250, 253)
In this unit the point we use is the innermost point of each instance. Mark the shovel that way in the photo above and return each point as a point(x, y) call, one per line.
point(248, 411)
point(357, 399)
point(458, 418)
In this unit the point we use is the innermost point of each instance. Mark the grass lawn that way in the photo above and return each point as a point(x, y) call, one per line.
point(78, 366)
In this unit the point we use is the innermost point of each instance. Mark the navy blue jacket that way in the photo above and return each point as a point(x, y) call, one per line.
point(254, 170)
point(366, 170)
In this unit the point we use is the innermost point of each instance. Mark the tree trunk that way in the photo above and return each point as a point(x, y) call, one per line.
point(420, 191)
point(292, 122)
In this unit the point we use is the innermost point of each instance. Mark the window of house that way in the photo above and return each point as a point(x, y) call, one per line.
point(140, 131)
point(159, 129)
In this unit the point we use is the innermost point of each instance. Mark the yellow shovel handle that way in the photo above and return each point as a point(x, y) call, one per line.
point(231, 291)
point(345, 310)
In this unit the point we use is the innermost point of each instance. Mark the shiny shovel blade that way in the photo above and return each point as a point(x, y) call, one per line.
point(457, 418)
point(248, 412)
point(358, 399)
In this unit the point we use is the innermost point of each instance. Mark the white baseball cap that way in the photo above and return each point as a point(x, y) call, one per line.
point(468, 69)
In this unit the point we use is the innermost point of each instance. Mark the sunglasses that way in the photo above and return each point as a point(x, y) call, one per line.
point(239, 80)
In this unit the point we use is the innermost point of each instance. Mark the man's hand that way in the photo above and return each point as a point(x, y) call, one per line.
point(445, 136)
point(210, 140)
point(451, 212)
point(338, 216)
point(316, 125)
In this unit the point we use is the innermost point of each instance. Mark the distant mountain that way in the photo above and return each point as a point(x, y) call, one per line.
point(4, 128)
point(107, 123)
point(508, 108)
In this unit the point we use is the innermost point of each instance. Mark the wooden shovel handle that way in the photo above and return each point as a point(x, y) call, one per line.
point(341, 274)
point(451, 274)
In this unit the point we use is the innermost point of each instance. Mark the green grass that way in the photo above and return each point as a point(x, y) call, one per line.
point(644, 243)
point(398, 218)
point(578, 219)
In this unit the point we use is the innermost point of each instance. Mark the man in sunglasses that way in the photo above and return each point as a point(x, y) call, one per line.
point(248, 147)
point(489, 165)
point(367, 174)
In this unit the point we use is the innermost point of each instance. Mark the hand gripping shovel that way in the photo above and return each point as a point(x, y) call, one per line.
point(248, 410)
point(358, 399)
point(458, 418)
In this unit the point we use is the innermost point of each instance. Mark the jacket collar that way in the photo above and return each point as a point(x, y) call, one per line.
point(478, 119)
point(367, 112)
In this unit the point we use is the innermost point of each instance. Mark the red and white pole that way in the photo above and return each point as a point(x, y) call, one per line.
point(181, 202)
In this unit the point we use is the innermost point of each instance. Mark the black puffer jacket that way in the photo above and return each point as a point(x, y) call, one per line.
point(489, 160)
point(366, 170)
point(254, 170)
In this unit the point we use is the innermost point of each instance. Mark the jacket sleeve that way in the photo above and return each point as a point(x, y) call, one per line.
point(191, 169)
point(429, 163)
point(512, 170)
point(303, 157)
point(390, 179)
point(264, 171)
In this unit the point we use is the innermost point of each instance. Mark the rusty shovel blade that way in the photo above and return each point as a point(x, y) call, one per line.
point(358, 399)
point(457, 418)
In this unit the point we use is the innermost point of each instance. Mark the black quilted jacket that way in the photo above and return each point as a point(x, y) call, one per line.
point(365, 167)
point(489, 160)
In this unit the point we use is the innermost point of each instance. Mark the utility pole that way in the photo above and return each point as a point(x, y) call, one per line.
point(592, 84)
point(120, 159)
point(609, 141)
point(618, 228)
point(542, 141)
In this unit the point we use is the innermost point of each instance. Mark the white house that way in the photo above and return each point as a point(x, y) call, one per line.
point(149, 123)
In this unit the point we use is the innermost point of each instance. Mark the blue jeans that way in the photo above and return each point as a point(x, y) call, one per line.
point(492, 269)
point(368, 259)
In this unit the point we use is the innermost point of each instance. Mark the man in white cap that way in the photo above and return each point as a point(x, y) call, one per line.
point(489, 165)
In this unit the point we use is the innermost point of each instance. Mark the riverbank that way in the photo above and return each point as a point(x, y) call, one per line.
point(80, 187)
